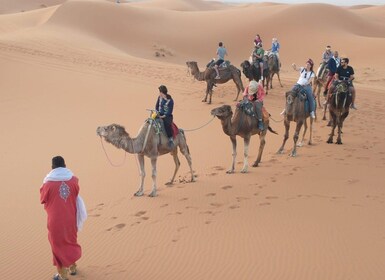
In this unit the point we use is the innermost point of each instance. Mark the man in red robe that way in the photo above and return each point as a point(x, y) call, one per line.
point(59, 194)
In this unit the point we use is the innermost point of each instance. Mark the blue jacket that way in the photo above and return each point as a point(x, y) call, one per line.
point(164, 106)
point(332, 65)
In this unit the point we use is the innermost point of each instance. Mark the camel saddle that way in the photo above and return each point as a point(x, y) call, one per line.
point(159, 127)
point(224, 65)
point(249, 109)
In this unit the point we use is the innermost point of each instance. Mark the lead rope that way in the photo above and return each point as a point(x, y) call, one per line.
point(200, 126)
point(105, 152)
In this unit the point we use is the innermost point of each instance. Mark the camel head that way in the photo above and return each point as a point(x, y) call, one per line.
point(192, 64)
point(222, 112)
point(246, 69)
point(111, 132)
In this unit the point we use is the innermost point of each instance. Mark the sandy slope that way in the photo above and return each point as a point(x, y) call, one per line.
point(67, 69)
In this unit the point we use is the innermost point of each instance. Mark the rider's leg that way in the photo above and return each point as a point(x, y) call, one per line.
point(310, 98)
point(352, 91)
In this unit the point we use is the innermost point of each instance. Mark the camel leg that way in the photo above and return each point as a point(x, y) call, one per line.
point(271, 80)
point(300, 144)
point(207, 92)
point(279, 79)
point(339, 124)
point(285, 137)
point(295, 138)
point(325, 109)
point(245, 167)
point(185, 151)
point(311, 132)
point(330, 140)
point(174, 154)
point(153, 176)
point(238, 83)
point(142, 175)
point(234, 143)
point(261, 147)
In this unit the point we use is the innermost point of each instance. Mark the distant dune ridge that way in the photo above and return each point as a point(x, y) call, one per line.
point(68, 67)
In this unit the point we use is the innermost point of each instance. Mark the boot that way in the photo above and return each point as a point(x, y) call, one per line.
point(260, 125)
point(171, 143)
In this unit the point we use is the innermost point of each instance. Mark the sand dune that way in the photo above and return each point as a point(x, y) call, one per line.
point(76, 65)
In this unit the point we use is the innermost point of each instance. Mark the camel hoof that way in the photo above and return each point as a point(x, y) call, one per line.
point(293, 154)
point(255, 164)
point(280, 152)
point(153, 194)
point(339, 142)
point(169, 183)
point(230, 171)
point(244, 171)
point(300, 144)
point(330, 141)
point(139, 193)
point(309, 143)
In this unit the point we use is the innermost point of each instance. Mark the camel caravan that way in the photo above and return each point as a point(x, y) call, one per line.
point(159, 135)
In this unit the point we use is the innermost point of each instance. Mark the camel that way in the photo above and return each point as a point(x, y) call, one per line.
point(272, 61)
point(226, 74)
point(339, 108)
point(150, 144)
point(319, 84)
point(253, 73)
point(295, 111)
point(244, 126)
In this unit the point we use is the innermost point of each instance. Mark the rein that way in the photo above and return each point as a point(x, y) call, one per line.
point(105, 152)
point(200, 126)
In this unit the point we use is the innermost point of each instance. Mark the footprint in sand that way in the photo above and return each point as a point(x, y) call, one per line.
point(183, 199)
point(271, 197)
point(211, 194)
point(264, 203)
point(227, 187)
point(241, 198)
point(164, 205)
point(216, 204)
point(219, 168)
point(117, 227)
point(140, 213)
point(234, 206)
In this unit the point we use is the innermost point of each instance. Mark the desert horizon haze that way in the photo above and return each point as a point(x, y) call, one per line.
point(68, 67)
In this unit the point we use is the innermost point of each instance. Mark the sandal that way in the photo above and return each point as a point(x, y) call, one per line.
point(57, 277)
point(73, 270)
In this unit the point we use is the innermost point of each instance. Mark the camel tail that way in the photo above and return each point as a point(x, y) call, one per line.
point(271, 130)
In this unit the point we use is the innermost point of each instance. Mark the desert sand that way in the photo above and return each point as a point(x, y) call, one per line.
point(68, 67)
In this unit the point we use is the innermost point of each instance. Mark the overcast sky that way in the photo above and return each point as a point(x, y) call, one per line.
point(334, 2)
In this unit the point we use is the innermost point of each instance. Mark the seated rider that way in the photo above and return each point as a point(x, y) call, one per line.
point(257, 57)
point(257, 40)
point(165, 105)
point(255, 93)
point(305, 78)
point(333, 64)
point(221, 52)
point(275, 46)
point(345, 73)
point(326, 56)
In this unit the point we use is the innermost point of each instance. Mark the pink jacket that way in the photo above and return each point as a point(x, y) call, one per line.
point(259, 96)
